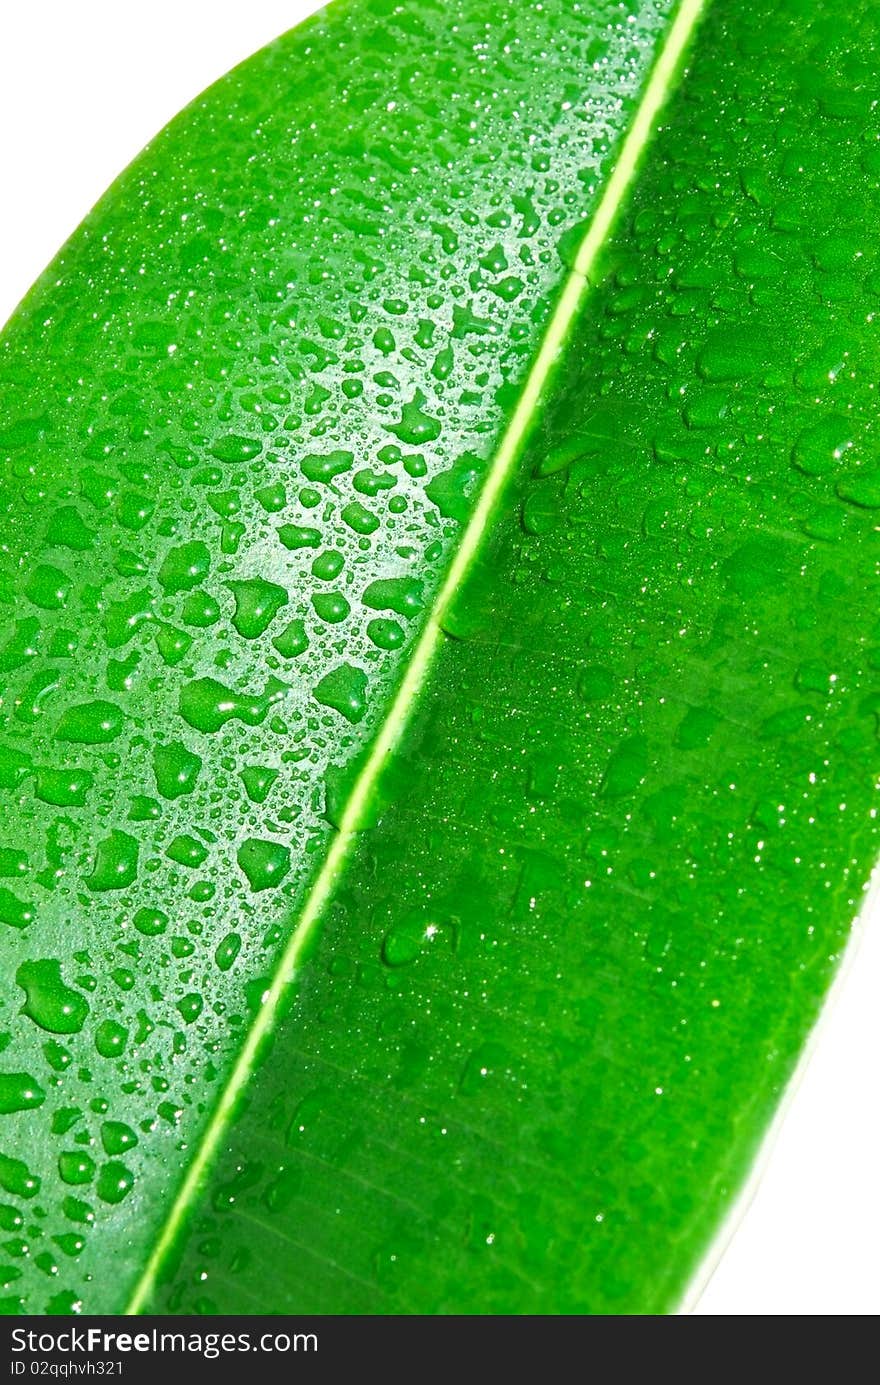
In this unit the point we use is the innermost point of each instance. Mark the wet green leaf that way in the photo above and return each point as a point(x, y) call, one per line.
point(440, 684)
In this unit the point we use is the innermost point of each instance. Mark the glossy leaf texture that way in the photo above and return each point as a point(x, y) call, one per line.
point(568, 969)
point(244, 417)
point(569, 974)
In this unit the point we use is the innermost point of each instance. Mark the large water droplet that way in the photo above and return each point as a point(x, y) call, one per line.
point(19, 1092)
point(116, 863)
point(90, 723)
point(344, 689)
point(257, 603)
point(50, 1003)
point(264, 863)
point(176, 769)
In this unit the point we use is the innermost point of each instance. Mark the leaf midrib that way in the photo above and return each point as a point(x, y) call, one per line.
point(402, 706)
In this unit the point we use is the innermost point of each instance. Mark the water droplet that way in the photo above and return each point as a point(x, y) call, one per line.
point(272, 497)
point(331, 607)
point(344, 689)
point(57, 1056)
point(10, 1218)
point(64, 1303)
point(19, 1092)
point(264, 863)
point(173, 645)
point(111, 1039)
point(284, 1187)
point(756, 567)
point(116, 863)
point(190, 1007)
point(69, 1243)
point(76, 1167)
point(48, 1001)
point(114, 1183)
point(150, 922)
point(63, 788)
point(696, 728)
point(542, 510)
point(16, 1178)
point(452, 491)
point(234, 448)
point(76, 1210)
point(200, 610)
point(185, 567)
point(736, 353)
point(820, 447)
point(861, 488)
point(257, 603)
point(416, 426)
point(64, 1119)
point(404, 942)
point(227, 950)
point(123, 619)
point(295, 536)
point(293, 640)
point(596, 683)
point(12, 863)
point(814, 678)
point(14, 911)
point(360, 519)
point(117, 1137)
point(187, 851)
point(47, 587)
point(402, 595)
point(207, 704)
point(489, 1061)
point(90, 723)
point(627, 768)
point(258, 782)
point(176, 769)
point(68, 529)
point(323, 469)
point(328, 565)
point(386, 634)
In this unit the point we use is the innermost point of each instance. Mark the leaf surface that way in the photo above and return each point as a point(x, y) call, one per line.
point(268, 490)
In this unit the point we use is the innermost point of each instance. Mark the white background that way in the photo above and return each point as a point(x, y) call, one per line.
point(82, 87)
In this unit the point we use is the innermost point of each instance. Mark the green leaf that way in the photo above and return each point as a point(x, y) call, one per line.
point(442, 732)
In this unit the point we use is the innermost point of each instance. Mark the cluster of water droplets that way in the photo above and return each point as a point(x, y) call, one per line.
point(568, 976)
point(244, 416)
